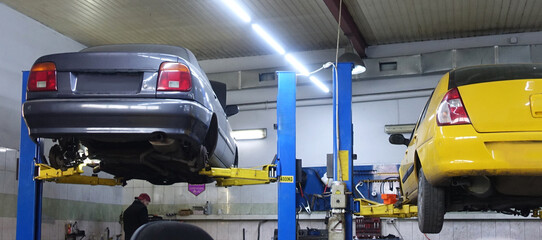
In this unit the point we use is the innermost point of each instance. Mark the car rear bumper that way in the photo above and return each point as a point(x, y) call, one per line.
point(461, 151)
point(116, 119)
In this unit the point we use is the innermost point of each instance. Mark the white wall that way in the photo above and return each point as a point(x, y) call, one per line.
point(23, 41)
point(315, 125)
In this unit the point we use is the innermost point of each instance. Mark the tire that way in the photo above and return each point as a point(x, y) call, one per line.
point(236, 161)
point(56, 158)
point(431, 206)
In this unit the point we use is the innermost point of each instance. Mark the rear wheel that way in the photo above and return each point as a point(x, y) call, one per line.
point(56, 159)
point(431, 206)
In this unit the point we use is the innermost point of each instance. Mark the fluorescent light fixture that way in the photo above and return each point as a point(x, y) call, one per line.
point(250, 134)
point(297, 65)
point(263, 34)
point(358, 69)
point(237, 9)
point(319, 84)
point(399, 128)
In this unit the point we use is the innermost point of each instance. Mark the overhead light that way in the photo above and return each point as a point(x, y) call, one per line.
point(232, 4)
point(263, 34)
point(237, 9)
point(250, 134)
point(297, 65)
point(359, 66)
point(319, 84)
point(358, 69)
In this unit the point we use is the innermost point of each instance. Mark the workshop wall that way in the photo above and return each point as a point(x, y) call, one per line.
point(95, 208)
point(23, 41)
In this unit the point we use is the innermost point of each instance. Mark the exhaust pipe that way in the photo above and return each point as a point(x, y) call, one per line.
point(162, 144)
point(479, 186)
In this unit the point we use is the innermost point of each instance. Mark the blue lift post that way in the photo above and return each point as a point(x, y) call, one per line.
point(30, 190)
point(286, 155)
point(342, 132)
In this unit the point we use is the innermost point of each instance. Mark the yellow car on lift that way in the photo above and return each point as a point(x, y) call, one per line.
point(477, 145)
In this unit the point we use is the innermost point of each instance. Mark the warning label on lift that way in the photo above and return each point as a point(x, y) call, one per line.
point(287, 179)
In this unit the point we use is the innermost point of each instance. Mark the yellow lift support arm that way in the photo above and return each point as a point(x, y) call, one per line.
point(73, 176)
point(368, 208)
point(226, 177)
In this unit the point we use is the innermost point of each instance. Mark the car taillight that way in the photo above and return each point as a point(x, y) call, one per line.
point(451, 110)
point(174, 77)
point(42, 77)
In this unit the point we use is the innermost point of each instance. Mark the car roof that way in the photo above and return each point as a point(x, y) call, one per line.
point(146, 48)
point(490, 73)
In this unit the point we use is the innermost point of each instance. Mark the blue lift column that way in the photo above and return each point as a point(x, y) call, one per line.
point(286, 155)
point(342, 132)
point(30, 190)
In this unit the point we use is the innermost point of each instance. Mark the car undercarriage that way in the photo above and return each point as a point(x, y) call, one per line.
point(160, 160)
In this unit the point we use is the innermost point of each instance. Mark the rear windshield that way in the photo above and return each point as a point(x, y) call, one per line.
point(146, 48)
point(492, 73)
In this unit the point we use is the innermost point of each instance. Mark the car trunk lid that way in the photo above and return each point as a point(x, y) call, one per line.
point(105, 74)
point(501, 97)
point(504, 106)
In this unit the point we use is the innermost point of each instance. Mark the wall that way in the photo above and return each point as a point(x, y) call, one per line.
point(95, 208)
point(23, 41)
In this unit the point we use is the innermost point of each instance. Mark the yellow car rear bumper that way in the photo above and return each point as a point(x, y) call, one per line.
point(461, 151)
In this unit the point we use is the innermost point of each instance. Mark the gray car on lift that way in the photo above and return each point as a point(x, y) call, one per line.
point(139, 111)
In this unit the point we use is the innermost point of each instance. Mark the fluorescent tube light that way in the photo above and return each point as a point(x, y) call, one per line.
point(319, 84)
point(263, 34)
point(237, 9)
point(399, 128)
point(297, 65)
point(250, 134)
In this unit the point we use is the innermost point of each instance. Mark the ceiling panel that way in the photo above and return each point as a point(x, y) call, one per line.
point(211, 31)
point(206, 27)
point(396, 21)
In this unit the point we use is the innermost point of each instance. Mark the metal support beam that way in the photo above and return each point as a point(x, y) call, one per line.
point(286, 151)
point(348, 25)
point(226, 177)
point(342, 133)
point(73, 176)
point(30, 190)
point(368, 208)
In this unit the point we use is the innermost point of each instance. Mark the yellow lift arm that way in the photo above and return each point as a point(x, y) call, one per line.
point(72, 176)
point(368, 208)
point(226, 177)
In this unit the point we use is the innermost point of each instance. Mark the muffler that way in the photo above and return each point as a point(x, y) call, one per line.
point(162, 144)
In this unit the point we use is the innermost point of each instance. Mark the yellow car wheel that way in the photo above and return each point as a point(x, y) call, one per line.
point(431, 206)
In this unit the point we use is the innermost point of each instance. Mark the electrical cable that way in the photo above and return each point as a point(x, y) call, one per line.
point(259, 225)
point(398, 232)
point(339, 167)
point(360, 183)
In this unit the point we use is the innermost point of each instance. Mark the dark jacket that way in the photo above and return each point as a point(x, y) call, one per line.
point(134, 216)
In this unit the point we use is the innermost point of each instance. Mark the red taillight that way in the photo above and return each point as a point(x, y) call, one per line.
point(451, 110)
point(174, 77)
point(42, 77)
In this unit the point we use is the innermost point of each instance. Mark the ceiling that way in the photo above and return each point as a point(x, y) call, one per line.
point(211, 31)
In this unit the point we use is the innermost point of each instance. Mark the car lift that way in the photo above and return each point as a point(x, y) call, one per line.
point(32, 172)
point(73, 176)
